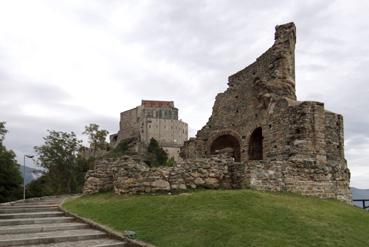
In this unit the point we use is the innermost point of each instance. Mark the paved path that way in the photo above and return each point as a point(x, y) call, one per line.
point(41, 223)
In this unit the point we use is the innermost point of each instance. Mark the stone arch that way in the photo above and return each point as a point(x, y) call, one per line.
point(256, 145)
point(226, 140)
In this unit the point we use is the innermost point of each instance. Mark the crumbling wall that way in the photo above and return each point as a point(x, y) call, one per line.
point(131, 176)
point(262, 98)
point(100, 178)
point(302, 177)
point(251, 97)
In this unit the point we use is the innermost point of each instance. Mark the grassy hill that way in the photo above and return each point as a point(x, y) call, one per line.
point(229, 218)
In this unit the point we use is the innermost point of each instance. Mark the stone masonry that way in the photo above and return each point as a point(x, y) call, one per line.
point(271, 141)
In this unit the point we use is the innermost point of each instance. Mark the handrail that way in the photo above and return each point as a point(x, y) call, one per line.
point(363, 201)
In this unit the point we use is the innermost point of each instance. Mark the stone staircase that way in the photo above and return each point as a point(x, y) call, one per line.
point(39, 222)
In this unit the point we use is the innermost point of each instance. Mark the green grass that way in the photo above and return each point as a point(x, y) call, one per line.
point(229, 218)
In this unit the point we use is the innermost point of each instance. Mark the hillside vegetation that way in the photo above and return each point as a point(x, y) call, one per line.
point(229, 218)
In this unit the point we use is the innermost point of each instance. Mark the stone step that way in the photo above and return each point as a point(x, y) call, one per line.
point(31, 215)
point(103, 242)
point(47, 238)
point(41, 228)
point(28, 206)
point(122, 244)
point(26, 210)
point(37, 204)
point(13, 222)
point(41, 223)
point(36, 201)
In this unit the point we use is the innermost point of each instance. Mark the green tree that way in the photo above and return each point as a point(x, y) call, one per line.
point(157, 155)
point(59, 155)
point(39, 187)
point(96, 137)
point(10, 176)
point(3, 132)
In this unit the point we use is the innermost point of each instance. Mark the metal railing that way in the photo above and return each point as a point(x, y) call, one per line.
point(365, 206)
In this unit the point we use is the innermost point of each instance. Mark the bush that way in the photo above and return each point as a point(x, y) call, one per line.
point(171, 162)
point(157, 155)
point(39, 187)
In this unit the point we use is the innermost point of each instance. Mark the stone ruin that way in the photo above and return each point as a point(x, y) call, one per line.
point(258, 136)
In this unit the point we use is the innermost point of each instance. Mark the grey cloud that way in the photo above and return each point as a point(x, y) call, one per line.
point(209, 40)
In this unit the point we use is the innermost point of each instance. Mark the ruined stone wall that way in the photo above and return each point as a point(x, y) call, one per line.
point(251, 98)
point(259, 119)
point(302, 177)
point(263, 96)
point(334, 137)
point(130, 176)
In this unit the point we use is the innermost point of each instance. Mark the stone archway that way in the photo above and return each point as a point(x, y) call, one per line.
point(256, 145)
point(226, 143)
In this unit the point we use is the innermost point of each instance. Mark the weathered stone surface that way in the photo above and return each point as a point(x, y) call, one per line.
point(161, 184)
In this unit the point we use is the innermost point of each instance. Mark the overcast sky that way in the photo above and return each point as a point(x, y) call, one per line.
point(65, 64)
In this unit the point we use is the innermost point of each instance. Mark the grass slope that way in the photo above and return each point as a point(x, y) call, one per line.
point(229, 218)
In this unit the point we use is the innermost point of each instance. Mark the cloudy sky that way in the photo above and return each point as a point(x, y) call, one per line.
point(65, 64)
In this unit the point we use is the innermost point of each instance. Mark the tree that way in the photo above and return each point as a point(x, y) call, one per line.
point(60, 157)
point(39, 187)
point(10, 176)
point(96, 137)
point(3, 132)
point(157, 155)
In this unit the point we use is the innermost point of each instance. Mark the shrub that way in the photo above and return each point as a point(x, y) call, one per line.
point(157, 155)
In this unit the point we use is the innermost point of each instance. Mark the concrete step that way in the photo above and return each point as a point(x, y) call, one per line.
point(41, 228)
point(122, 244)
point(103, 242)
point(37, 204)
point(46, 237)
point(40, 223)
point(13, 222)
point(31, 215)
point(28, 206)
point(32, 200)
point(26, 210)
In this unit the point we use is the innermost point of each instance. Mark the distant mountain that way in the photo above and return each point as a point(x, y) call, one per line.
point(360, 194)
point(31, 173)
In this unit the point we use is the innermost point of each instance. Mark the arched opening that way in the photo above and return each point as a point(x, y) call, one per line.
point(256, 145)
point(226, 144)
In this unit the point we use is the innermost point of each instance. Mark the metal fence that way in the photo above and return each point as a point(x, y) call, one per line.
point(365, 202)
